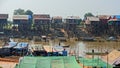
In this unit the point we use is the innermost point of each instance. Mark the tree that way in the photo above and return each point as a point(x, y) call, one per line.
point(29, 12)
point(19, 11)
point(26, 27)
point(88, 15)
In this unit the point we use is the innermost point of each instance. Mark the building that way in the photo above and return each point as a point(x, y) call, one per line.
point(3, 21)
point(41, 23)
point(57, 19)
point(73, 20)
point(113, 24)
point(93, 25)
point(57, 22)
point(104, 18)
point(23, 24)
point(104, 23)
point(71, 24)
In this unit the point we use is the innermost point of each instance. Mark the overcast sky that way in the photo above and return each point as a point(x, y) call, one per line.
point(62, 8)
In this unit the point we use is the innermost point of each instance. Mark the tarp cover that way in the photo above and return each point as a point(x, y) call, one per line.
point(48, 62)
point(21, 45)
point(10, 44)
point(96, 62)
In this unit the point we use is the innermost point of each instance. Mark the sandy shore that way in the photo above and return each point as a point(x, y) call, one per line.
point(7, 64)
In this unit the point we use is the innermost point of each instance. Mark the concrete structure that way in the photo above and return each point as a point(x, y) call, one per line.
point(3, 21)
point(42, 23)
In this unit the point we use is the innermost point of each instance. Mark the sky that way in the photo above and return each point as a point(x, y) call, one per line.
point(62, 8)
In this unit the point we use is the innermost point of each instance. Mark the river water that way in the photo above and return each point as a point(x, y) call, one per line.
point(81, 46)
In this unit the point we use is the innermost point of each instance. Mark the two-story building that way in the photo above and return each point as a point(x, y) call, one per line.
point(93, 25)
point(22, 24)
point(113, 24)
point(57, 22)
point(104, 23)
point(71, 25)
point(3, 21)
point(41, 23)
point(72, 22)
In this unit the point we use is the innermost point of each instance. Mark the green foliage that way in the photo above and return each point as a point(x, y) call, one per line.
point(29, 12)
point(22, 12)
point(19, 11)
point(88, 14)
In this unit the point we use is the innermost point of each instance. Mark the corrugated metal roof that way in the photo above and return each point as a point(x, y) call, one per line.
point(103, 16)
point(57, 17)
point(48, 48)
point(53, 48)
point(73, 17)
point(3, 16)
point(112, 57)
point(89, 19)
point(93, 18)
point(21, 17)
point(41, 16)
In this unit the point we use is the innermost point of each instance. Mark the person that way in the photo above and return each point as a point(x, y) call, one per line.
point(64, 52)
point(59, 43)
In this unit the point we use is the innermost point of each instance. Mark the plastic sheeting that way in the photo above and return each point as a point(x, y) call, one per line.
point(48, 62)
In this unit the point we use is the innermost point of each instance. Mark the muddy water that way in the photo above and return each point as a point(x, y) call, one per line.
point(80, 45)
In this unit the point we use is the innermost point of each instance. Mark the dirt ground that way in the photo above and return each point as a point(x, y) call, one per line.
point(7, 64)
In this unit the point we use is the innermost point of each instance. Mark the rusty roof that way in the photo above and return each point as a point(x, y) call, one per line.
point(3, 16)
point(57, 17)
point(104, 16)
point(41, 16)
